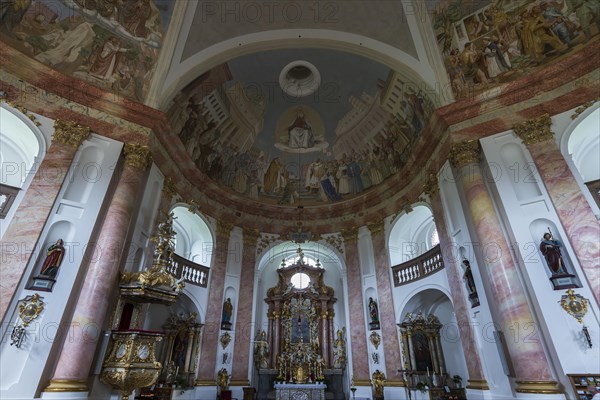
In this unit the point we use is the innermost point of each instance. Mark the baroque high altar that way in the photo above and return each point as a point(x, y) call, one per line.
point(305, 348)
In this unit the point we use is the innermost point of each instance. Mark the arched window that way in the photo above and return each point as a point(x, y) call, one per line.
point(584, 147)
point(21, 148)
point(412, 234)
point(193, 239)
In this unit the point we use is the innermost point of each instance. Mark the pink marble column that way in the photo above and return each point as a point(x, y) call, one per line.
point(356, 330)
point(20, 241)
point(532, 367)
point(573, 210)
point(212, 323)
point(75, 360)
point(387, 316)
point(459, 297)
point(243, 326)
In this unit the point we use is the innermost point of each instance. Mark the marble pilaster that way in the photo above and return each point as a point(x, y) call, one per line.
point(387, 316)
point(243, 325)
point(78, 350)
point(457, 292)
point(532, 368)
point(574, 212)
point(20, 241)
point(212, 324)
point(357, 330)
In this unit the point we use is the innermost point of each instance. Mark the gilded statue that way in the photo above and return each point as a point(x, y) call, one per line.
point(223, 379)
point(378, 381)
point(339, 349)
point(261, 350)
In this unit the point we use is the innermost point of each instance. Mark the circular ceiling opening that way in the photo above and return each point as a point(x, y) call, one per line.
point(299, 78)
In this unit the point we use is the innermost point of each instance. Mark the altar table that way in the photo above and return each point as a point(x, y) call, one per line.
point(300, 391)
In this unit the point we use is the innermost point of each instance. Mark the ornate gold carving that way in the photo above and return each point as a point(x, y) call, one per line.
point(137, 156)
point(375, 339)
point(477, 384)
point(125, 369)
point(25, 112)
point(169, 188)
point(225, 339)
point(223, 379)
point(30, 308)
point(251, 236)
point(579, 110)
point(224, 228)
point(544, 387)
point(67, 385)
point(193, 206)
point(407, 208)
point(204, 382)
point(141, 284)
point(264, 241)
point(430, 187)
point(535, 130)
point(378, 381)
point(575, 305)
point(334, 241)
point(375, 227)
point(69, 133)
point(464, 153)
point(350, 235)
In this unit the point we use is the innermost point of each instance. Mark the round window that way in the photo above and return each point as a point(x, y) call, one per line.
point(300, 280)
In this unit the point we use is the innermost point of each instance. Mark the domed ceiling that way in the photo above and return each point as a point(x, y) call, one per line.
point(299, 126)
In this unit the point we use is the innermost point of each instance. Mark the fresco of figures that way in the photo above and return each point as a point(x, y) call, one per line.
point(112, 44)
point(299, 165)
point(507, 39)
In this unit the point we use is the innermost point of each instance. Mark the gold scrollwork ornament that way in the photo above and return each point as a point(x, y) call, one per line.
point(225, 339)
point(574, 304)
point(375, 339)
point(29, 309)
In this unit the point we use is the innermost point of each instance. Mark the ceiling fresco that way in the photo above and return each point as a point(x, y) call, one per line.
point(485, 44)
point(381, 20)
point(242, 128)
point(111, 44)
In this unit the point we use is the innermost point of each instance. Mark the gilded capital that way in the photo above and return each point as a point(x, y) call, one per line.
point(430, 187)
point(535, 130)
point(137, 156)
point(251, 236)
point(464, 153)
point(69, 133)
point(224, 228)
point(375, 227)
point(169, 187)
point(350, 235)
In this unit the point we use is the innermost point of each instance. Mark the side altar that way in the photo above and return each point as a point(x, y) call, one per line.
point(299, 391)
point(300, 349)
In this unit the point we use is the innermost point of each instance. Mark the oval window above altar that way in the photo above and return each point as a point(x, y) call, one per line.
point(300, 280)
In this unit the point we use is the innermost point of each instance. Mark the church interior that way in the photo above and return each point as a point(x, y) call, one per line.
point(296, 200)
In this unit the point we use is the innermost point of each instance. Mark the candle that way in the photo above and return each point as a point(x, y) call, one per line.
point(427, 370)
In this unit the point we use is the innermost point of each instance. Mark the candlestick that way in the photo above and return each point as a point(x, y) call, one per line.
point(428, 371)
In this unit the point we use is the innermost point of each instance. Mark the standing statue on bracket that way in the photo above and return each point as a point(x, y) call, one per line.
point(261, 350)
point(54, 258)
point(227, 313)
point(470, 283)
point(374, 314)
point(339, 349)
point(550, 248)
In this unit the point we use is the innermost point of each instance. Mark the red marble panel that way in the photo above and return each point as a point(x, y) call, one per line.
point(574, 212)
point(78, 350)
point(389, 329)
point(357, 331)
point(516, 320)
point(457, 291)
point(20, 241)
